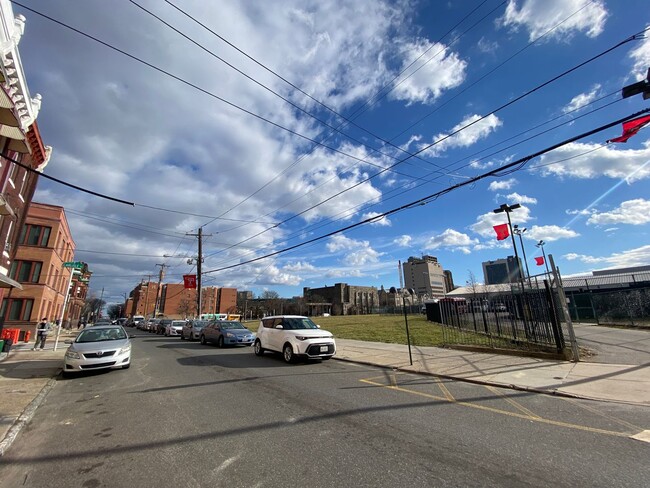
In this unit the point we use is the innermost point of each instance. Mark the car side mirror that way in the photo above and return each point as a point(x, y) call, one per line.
point(132, 336)
point(68, 341)
point(318, 326)
point(279, 326)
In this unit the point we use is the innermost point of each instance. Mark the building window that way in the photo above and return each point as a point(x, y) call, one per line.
point(17, 308)
point(35, 235)
point(26, 271)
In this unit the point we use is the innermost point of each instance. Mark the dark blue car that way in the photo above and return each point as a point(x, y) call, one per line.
point(227, 333)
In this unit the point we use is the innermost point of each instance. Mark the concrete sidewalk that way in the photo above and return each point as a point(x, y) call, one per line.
point(607, 382)
point(26, 376)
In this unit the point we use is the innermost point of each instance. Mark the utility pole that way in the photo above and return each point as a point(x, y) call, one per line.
point(161, 276)
point(146, 296)
point(99, 305)
point(199, 262)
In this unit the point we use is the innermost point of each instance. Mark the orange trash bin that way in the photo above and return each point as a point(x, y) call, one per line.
point(28, 334)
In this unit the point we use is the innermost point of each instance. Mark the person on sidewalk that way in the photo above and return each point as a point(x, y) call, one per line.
point(44, 328)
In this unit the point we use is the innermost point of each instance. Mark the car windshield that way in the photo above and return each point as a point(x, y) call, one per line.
point(297, 323)
point(178, 323)
point(99, 335)
point(199, 324)
point(232, 325)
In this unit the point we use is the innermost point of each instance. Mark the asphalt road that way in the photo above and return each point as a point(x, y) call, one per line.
point(187, 415)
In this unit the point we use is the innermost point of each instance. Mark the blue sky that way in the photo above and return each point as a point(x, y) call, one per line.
point(314, 128)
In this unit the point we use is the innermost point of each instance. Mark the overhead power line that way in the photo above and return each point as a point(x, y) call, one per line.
point(429, 198)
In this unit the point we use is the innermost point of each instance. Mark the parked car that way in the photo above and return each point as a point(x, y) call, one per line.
point(161, 326)
point(192, 329)
point(98, 347)
point(226, 332)
point(294, 336)
point(499, 307)
point(101, 322)
point(174, 328)
point(135, 321)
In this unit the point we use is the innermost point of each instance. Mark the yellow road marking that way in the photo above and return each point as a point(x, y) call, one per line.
point(593, 410)
point(515, 404)
point(445, 391)
point(502, 412)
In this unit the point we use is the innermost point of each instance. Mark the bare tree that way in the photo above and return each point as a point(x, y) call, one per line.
point(185, 307)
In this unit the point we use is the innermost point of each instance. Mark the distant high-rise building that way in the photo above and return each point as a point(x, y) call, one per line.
point(502, 271)
point(424, 275)
point(449, 281)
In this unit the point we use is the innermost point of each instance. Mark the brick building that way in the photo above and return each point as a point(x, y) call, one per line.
point(21, 146)
point(44, 244)
point(226, 300)
point(177, 302)
point(142, 299)
point(341, 299)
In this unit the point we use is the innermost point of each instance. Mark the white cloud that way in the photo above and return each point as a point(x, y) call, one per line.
point(466, 137)
point(383, 221)
point(570, 16)
point(517, 198)
point(586, 160)
point(361, 251)
point(481, 165)
point(403, 241)
point(634, 212)
point(582, 99)
point(486, 46)
point(444, 70)
point(633, 257)
point(299, 266)
point(502, 184)
point(451, 240)
point(641, 57)
point(484, 225)
point(549, 233)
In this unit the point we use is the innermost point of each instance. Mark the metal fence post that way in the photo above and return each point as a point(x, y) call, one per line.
point(565, 309)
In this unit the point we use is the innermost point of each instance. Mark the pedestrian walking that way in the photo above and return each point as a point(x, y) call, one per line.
point(43, 330)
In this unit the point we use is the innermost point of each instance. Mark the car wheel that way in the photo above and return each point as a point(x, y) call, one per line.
point(182, 336)
point(287, 353)
point(203, 341)
point(126, 366)
point(259, 350)
point(65, 374)
point(220, 341)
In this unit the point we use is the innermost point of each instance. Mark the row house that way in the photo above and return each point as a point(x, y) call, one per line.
point(22, 157)
point(44, 245)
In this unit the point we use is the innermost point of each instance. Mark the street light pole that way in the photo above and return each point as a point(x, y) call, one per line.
point(519, 231)
point(541, 244)
point(507, 209)
point(65, 304)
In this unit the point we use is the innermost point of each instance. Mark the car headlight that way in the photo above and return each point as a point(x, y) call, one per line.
point(72, 354)
point(302, 338)
point(125, 349)
point(230, 334)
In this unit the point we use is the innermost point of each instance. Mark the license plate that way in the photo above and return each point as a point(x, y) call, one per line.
point(323, 348)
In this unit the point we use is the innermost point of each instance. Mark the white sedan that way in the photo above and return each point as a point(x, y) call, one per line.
point(98, 347)
point(174, 328)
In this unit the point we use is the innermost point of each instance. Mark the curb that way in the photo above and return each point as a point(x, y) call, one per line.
point(26, 416)
point(528, 389)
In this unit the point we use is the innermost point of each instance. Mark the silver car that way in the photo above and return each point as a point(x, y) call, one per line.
point(192, 329)
point(98, 347)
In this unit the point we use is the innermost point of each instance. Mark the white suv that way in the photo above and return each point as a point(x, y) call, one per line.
point(294, 336)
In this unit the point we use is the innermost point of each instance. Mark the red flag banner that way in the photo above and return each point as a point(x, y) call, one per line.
point(631, 127)
point(189, 281)
point(539, 261)
point(502, 231)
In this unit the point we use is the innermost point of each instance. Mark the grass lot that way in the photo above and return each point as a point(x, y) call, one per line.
point(382, 328)
point(377, 328)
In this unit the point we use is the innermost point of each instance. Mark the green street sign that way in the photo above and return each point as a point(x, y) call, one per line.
point(74, 264)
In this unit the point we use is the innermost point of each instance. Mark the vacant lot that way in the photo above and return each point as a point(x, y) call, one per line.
point(378, 328)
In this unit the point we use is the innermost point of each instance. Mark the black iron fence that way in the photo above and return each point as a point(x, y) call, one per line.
point(621, 307)
point(528, 320)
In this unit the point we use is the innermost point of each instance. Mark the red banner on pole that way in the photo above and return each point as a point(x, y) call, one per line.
point(189, 281)
point(502, 231)
point(539, 261)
